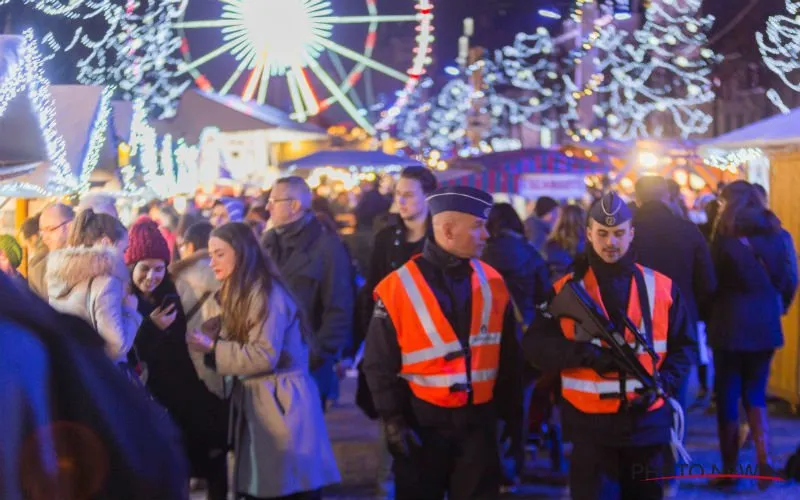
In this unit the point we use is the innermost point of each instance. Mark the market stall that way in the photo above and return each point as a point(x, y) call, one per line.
point(770, 152)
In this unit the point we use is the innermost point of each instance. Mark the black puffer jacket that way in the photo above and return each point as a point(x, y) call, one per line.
point(523, 269)
point(757, 282)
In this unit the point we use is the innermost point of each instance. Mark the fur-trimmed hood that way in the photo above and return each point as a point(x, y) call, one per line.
point(196, 271)
point(68, 267)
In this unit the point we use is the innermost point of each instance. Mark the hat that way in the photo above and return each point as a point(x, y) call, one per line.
point(235, 208)
point(610, 210)
point(10, 247)
point(462, 199)
point(146, 242)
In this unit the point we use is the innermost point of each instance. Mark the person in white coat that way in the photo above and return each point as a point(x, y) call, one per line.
point(89, 279)
point(281, 445)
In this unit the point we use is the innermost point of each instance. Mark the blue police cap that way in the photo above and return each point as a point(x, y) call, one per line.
point(610, 210)
point(462, 199)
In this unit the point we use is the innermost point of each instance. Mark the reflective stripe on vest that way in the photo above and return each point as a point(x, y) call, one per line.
point(434, 362)
point(592, 393)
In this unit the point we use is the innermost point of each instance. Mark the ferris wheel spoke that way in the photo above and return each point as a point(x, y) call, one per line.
point(346, 103)
point(208, 23)
point(348, 86)
point(211, 55)
point(263, 85)
point(236, 74)
point(297, 102)
point(311, 103)
point(367, 19)
point(255, 74)
point(370, 63)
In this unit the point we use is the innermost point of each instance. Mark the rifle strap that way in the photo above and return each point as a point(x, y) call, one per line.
point(644, 305)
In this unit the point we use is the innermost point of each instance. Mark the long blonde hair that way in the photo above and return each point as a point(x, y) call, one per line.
point(569, 231)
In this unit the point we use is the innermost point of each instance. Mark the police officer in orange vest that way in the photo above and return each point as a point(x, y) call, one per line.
point(619, 433)
point(442, 360)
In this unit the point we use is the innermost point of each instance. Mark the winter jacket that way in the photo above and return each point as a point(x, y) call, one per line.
point(560, 261)
point(756, 285)
point(282, 444)
point(522, 268)
point(537, 231)
point(194, 279)
point(37, 266)
point(676, 248)
point(174, 383)
point(70, 273)
point(317, 269)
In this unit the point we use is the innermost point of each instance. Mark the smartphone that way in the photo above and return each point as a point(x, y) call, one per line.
point(168, 299)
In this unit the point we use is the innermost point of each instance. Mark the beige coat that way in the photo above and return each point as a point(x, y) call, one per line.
point(37, 266)
point(283, 446)
point(70, 271)
point(193, 278)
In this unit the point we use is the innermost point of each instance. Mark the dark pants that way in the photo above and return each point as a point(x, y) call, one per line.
point(740, 374)
point(610, 473)
point(305, 495)
point(459, 463)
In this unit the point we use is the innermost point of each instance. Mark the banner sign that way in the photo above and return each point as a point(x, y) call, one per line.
point(558, 186)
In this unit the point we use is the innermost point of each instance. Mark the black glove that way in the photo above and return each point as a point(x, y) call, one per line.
point(642, 402)
point(400, 437)
point(600, 359)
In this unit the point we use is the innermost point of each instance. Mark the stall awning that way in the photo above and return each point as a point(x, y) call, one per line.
point(199, 110)
point(775, 131)
point(501, 171)
point(350, 158)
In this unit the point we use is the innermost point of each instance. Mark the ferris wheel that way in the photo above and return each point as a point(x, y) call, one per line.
point(364, 57)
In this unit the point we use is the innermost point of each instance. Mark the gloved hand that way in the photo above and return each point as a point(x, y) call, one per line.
point(642, 402)
point(600, 359)
point(400, 437)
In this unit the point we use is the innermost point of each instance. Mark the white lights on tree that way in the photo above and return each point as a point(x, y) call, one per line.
point(448, 120)
point(661, 75)
point(26, 74)
point(731, 160)
point(97, 139)
point(780, 49)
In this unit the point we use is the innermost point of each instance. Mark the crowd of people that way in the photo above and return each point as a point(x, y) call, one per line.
point(234, 323)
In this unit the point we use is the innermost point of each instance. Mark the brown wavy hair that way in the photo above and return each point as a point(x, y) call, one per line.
point(743, 212)
point(569, 231)
point(253, 270)
point(90, 227)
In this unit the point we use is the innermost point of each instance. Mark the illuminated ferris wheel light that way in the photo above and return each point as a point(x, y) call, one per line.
point(285, 38)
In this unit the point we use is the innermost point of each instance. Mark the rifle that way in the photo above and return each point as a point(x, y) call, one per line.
point(574, 302)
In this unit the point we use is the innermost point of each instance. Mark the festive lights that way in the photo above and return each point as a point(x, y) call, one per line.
point(26, 74)
point(780, 49)
point(731, 160)
point(97, 139)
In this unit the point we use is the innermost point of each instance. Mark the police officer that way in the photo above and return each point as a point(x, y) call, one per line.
point(618, 433)
point(441, 357)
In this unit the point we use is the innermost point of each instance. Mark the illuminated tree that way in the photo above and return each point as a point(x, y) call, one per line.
point(780, 49)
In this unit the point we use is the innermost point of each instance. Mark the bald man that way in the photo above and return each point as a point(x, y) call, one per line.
point(54, 225)
point(441, 358)
point(318, 271)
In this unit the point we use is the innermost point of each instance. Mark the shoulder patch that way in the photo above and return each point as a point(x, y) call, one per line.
point(380, 310)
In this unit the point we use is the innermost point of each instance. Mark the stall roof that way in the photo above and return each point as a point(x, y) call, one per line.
point(350, 158)
point(199, 110)
point(501, 171)
point(775, 131)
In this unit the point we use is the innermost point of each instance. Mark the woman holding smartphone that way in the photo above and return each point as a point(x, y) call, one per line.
point(281, 445)
point(169, 373)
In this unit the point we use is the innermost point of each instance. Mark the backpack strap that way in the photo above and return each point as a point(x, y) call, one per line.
point(90, 304)
point(195, 308)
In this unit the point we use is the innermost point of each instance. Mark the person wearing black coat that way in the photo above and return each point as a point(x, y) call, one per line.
point(756, 264)
point(318, 270)
point(169, 373)
point(528, 280)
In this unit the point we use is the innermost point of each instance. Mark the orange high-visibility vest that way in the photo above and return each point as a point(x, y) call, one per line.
point(433, 359)
point(590, 392)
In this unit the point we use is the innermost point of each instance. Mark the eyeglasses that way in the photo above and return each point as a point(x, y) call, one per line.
point(272, 202)
point(51, 229)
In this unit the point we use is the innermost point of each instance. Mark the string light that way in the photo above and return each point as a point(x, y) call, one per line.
point(97, 139)
point(26, 74)
point(731, 160)
point(780, 49)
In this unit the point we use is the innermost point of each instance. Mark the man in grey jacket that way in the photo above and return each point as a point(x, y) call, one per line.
point(318, 271)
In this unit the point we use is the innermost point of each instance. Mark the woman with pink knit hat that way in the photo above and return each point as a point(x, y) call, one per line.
point(171, 377)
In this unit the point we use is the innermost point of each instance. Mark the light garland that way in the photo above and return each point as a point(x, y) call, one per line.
point(27, 74)
point(97, 139)
point(731, 160)
point(780, 49)
point(663, 71)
